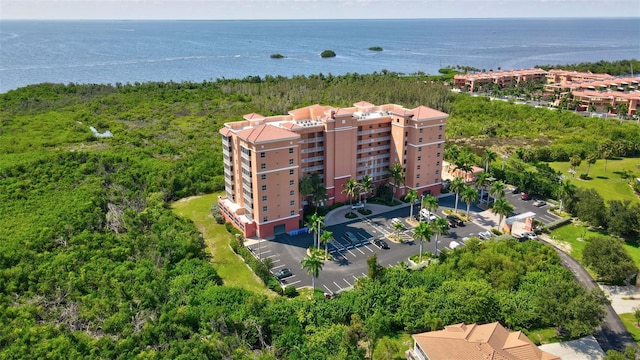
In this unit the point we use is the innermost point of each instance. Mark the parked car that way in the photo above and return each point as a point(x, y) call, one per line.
point(454, 221)
point(529, 235)
point(539, 203)
point(283, 273)
point(357, 206)
point(426, 214)
point(350, 237)
point(381, 244)
point(525, 196)
point(516, 190)
point(454, 244)
point(485, 235)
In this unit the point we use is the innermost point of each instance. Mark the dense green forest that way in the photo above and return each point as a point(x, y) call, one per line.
point(93, 264)
point(616, 68)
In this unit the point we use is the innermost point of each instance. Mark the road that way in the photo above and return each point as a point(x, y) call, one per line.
point(612, 334)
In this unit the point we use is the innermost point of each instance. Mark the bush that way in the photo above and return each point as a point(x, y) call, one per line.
point(231, 229)
point(290, 291)
point(584, 176)
point(557, 223)
point(364, 211)
point(328, 54)
point(217, 215)
point(336, 205)
point(350, 215)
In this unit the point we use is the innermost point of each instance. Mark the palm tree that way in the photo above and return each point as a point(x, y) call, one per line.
point(350, 188)
point(397, 174)
point(439, 226)
point(312, 264)
point(430, 203)
point(564, 192)
point(366, 185)
point(305, 187)
point(591, 159)
point(412, 196)
point(469, 195)
point(398, 227)
point(481, 182)
point(488, 157)
point(497, 190)
point(326, 238)
point(606, 149)
point(422, 233)
point(319, 192)
point(502, 208)
point(575, 161)
point(315, 222)
point(456, 186)
point(451, 153)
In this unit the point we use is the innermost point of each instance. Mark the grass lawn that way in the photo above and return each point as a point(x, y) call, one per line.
point(400, 341)
point(611, 185)
point(571, 232)
point(630, 323)
point(230, 266)
point(545, 336)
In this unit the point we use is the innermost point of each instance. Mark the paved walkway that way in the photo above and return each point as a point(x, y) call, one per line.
point(624, 299)
point(586, 348)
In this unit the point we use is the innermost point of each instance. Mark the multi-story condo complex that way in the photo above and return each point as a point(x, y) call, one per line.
point(265, 158)
point(502, 78)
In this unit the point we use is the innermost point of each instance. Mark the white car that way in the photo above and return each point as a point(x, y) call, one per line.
point(426, 214)
point(454, 244)
point(485, 235)
point(529, 235)
point(357, 206)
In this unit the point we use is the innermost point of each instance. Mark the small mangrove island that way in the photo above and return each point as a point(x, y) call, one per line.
point(328, 54)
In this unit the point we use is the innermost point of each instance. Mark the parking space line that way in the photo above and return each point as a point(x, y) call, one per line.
point(278, 266)
point(348, 284)
point(362, 252)
point(329, 290)
point(338, 286)
point(293, 283)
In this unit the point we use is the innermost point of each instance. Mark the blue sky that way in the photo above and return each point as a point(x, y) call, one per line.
point(313, 9)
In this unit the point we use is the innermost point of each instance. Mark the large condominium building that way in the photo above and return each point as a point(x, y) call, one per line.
point(265, 158)
point(502, 78)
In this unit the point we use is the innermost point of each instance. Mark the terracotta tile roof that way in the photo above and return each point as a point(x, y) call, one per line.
point(481, 342)
point(253, 116)
point(424, 113)
point(225, 131)
point(266, 133)
point(363, 104)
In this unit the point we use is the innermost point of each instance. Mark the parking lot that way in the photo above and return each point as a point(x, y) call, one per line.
point(349, 256)
point(350, 252)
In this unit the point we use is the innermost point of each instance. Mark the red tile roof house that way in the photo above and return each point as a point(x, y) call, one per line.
point(475, 342)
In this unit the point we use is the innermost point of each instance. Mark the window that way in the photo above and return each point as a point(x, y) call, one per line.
point(291, 193)
point(420, 131)
point(436, 180)
point(439, 146)
point(437, 172)
point(418, 167)
point(292, 203)
point(265, 219)
point(419, 149)
point(263, 176)
point(440, 127)
point(437, 163)
point(438, 155)
point(420, 140)
point(290, 161)
point(291, 182)
point(418, 176)
point(264, 187)
point(263, 155)
point(264, 198)
point(419, 158)
point(417, 184)
point(290, 150)
point(263, 166)
point(291, 172)
point(264, 209)
point(440, 137)
point(292, 212)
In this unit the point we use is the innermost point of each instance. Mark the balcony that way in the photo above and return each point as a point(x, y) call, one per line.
point(375, 131)
point(312, 159)
point(372, 158)
point(372, 140)
point(246, 156)
point(312, 140)
point(312, 168)
point(375, 148)
point(311, 150)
